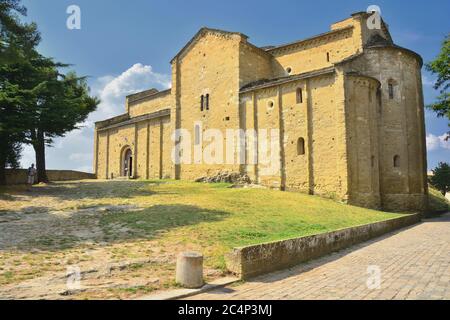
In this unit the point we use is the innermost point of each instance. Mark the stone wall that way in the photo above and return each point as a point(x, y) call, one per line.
point(255, 260)
point(254, 64)
point(150, 143)
point(209, 67)
point(362, 111)
point(400, 122)
point(20, 176)
point(156, 102)
point(317, 120)
point(316, 53)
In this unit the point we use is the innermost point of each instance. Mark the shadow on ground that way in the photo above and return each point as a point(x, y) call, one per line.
point(103, 225)
point(151, 222)
point(82, 190)
point(35, 221)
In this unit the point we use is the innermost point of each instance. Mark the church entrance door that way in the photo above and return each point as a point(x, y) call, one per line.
point(128, 164)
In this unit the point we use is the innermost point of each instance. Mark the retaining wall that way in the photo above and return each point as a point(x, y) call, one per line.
point(20, 176)
point(255, 260)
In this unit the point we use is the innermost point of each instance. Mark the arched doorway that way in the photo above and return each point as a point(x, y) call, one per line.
point(127, 163)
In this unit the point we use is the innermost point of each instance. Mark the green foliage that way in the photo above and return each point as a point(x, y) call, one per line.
point(13, 155)
point(441, 178)
point(60, 104)
point(55, 103)
point(441, 67)
point(37, 101)
point(17, 40)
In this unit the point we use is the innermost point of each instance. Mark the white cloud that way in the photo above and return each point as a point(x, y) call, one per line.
point(437, 142)
point(112, 91)
point(75, 150)
point(80, 157)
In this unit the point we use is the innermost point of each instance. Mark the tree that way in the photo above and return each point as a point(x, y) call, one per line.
point(59, 104)
point(441, 67)
point(37, 102)
point(17, 45)
point(11, 132)
point(17, 40)
point(441, 178)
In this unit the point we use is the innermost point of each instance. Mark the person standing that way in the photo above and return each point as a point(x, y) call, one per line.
point(31, 175)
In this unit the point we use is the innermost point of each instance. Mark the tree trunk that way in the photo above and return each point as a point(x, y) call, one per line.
point(39, 148)
point(2, 172)
point(2, 161)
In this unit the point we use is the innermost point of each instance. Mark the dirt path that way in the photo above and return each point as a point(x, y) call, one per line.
point(53, 245)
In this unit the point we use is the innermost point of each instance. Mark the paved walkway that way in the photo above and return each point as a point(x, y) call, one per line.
point(413, 263)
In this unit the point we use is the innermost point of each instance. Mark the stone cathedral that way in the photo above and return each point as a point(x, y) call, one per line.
point(347, 103)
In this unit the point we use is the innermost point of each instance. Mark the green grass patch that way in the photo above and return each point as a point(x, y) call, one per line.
point(437, 202)
point(216, 218)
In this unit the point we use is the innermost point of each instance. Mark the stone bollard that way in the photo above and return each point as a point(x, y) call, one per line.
point(190, 270)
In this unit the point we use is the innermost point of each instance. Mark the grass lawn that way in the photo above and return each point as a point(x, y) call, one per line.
point(218, 218)
point(91, 223)
point(438, 203)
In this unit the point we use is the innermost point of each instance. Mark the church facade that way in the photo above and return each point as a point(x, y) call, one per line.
point(340, 115)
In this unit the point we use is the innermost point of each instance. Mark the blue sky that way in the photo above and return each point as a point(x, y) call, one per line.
point(126, 46)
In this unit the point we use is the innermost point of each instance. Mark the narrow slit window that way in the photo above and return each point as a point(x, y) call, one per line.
point(202, 101)
point(299, 95)
point(391, 90)
point(328, 57)
point(396, 161)
point(207, 101)
point(301, 147)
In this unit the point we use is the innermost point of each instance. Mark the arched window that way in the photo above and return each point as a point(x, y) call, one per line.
point(301, 146)
point(391, 90)
point(202, 101)
point(299, 95)
point(392, 85)
point(397, 161)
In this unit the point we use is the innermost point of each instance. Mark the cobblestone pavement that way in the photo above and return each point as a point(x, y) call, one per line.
point(414, 263)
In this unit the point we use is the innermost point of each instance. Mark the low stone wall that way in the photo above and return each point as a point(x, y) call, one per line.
point(251, 261)
point(20, 176)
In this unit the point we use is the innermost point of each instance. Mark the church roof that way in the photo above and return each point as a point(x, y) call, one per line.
point(126, 121)
point(394, 46)
point(202, 32)
point(273, 48)
point(147, 94)
point(265, 83)
point(143, 94)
